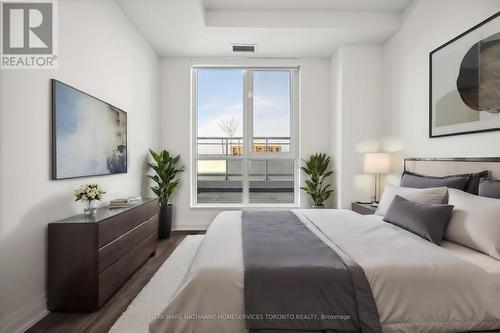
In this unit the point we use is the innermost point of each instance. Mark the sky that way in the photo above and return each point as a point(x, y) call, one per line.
point(220, 97)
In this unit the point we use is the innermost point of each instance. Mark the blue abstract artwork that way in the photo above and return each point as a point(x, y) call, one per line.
point(89, 135)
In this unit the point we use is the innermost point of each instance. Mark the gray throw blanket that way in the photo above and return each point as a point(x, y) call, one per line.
point(294, 282)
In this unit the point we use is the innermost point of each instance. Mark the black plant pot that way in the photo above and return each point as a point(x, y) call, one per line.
point(165, 221)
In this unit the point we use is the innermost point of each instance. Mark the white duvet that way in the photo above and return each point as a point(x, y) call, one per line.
point(418, 286)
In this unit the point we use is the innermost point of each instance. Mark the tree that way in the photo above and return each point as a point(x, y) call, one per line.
point(228, 126)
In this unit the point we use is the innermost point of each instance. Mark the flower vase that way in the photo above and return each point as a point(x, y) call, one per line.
point(90, 207)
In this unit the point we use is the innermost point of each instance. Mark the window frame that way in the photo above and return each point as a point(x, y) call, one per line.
point(248, 153)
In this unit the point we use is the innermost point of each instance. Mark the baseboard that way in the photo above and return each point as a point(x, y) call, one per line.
point(25, 317)
point(191, 224)
point(190, 227)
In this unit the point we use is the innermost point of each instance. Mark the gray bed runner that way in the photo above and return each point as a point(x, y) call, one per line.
point(294, 282)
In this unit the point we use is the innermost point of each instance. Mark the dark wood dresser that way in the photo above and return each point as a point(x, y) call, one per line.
point(90, 257)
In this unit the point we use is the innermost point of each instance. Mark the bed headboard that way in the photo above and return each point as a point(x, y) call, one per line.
point(449, 166)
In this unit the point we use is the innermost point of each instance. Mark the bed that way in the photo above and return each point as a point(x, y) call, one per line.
point(417, 286)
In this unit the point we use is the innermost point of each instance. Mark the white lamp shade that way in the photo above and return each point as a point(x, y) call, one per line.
point(377, 163)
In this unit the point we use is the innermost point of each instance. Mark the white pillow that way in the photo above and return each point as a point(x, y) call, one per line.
point(434, 195)
point(475, 222)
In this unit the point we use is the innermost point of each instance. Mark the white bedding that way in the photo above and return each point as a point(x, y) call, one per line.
point(485, 262)
point(418, 286)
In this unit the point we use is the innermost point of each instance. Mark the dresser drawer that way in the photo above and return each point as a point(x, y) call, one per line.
point(112, 228)
point(111, 252)
point(116, 274)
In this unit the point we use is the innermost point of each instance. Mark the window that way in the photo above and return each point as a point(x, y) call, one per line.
point(245, 149)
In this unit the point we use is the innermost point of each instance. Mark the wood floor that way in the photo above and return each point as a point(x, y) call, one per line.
point(102, 320)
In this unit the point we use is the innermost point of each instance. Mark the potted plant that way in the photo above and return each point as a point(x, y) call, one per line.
point(89, 194)
point(316, 167)
point(166, 170)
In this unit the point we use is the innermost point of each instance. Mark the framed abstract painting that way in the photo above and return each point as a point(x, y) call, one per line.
point(89, 136)
point(465, 82)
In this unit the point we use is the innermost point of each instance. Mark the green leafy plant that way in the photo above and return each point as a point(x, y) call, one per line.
point(166, 170)
point(316, 167)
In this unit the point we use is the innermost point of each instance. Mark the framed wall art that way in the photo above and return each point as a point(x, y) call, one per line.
point(465, 82)
point(89, 136)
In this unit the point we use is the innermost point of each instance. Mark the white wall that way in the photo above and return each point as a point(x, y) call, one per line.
point(336, 121)
point(101, 53)
point(426, 25)
point(175, 124)
point(315, 130)
point(356, 116)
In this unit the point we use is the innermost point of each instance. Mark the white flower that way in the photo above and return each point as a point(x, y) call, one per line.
point(89, 192)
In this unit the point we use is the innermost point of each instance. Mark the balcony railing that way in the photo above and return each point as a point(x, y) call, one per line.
point(266, 175)
point(221, 179)
point(233, 146)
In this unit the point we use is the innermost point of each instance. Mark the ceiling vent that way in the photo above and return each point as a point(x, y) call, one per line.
point(247, 48)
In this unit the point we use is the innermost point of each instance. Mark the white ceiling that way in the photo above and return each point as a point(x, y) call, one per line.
point(280, 28)
point(308, 5)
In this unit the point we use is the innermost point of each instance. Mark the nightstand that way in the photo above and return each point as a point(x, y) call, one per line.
point(363, 208)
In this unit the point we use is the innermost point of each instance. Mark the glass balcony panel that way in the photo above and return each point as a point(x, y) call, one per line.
point(219, 181)
point(271, 181)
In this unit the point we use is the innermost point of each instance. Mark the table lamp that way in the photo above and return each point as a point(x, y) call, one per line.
point(377, 164)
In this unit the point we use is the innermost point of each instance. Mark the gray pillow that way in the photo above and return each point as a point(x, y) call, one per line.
point(428, 221)
point(473, 184)
point(489, 188)
point(417, 181)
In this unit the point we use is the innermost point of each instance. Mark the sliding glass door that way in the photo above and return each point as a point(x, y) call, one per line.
point(244, 137)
